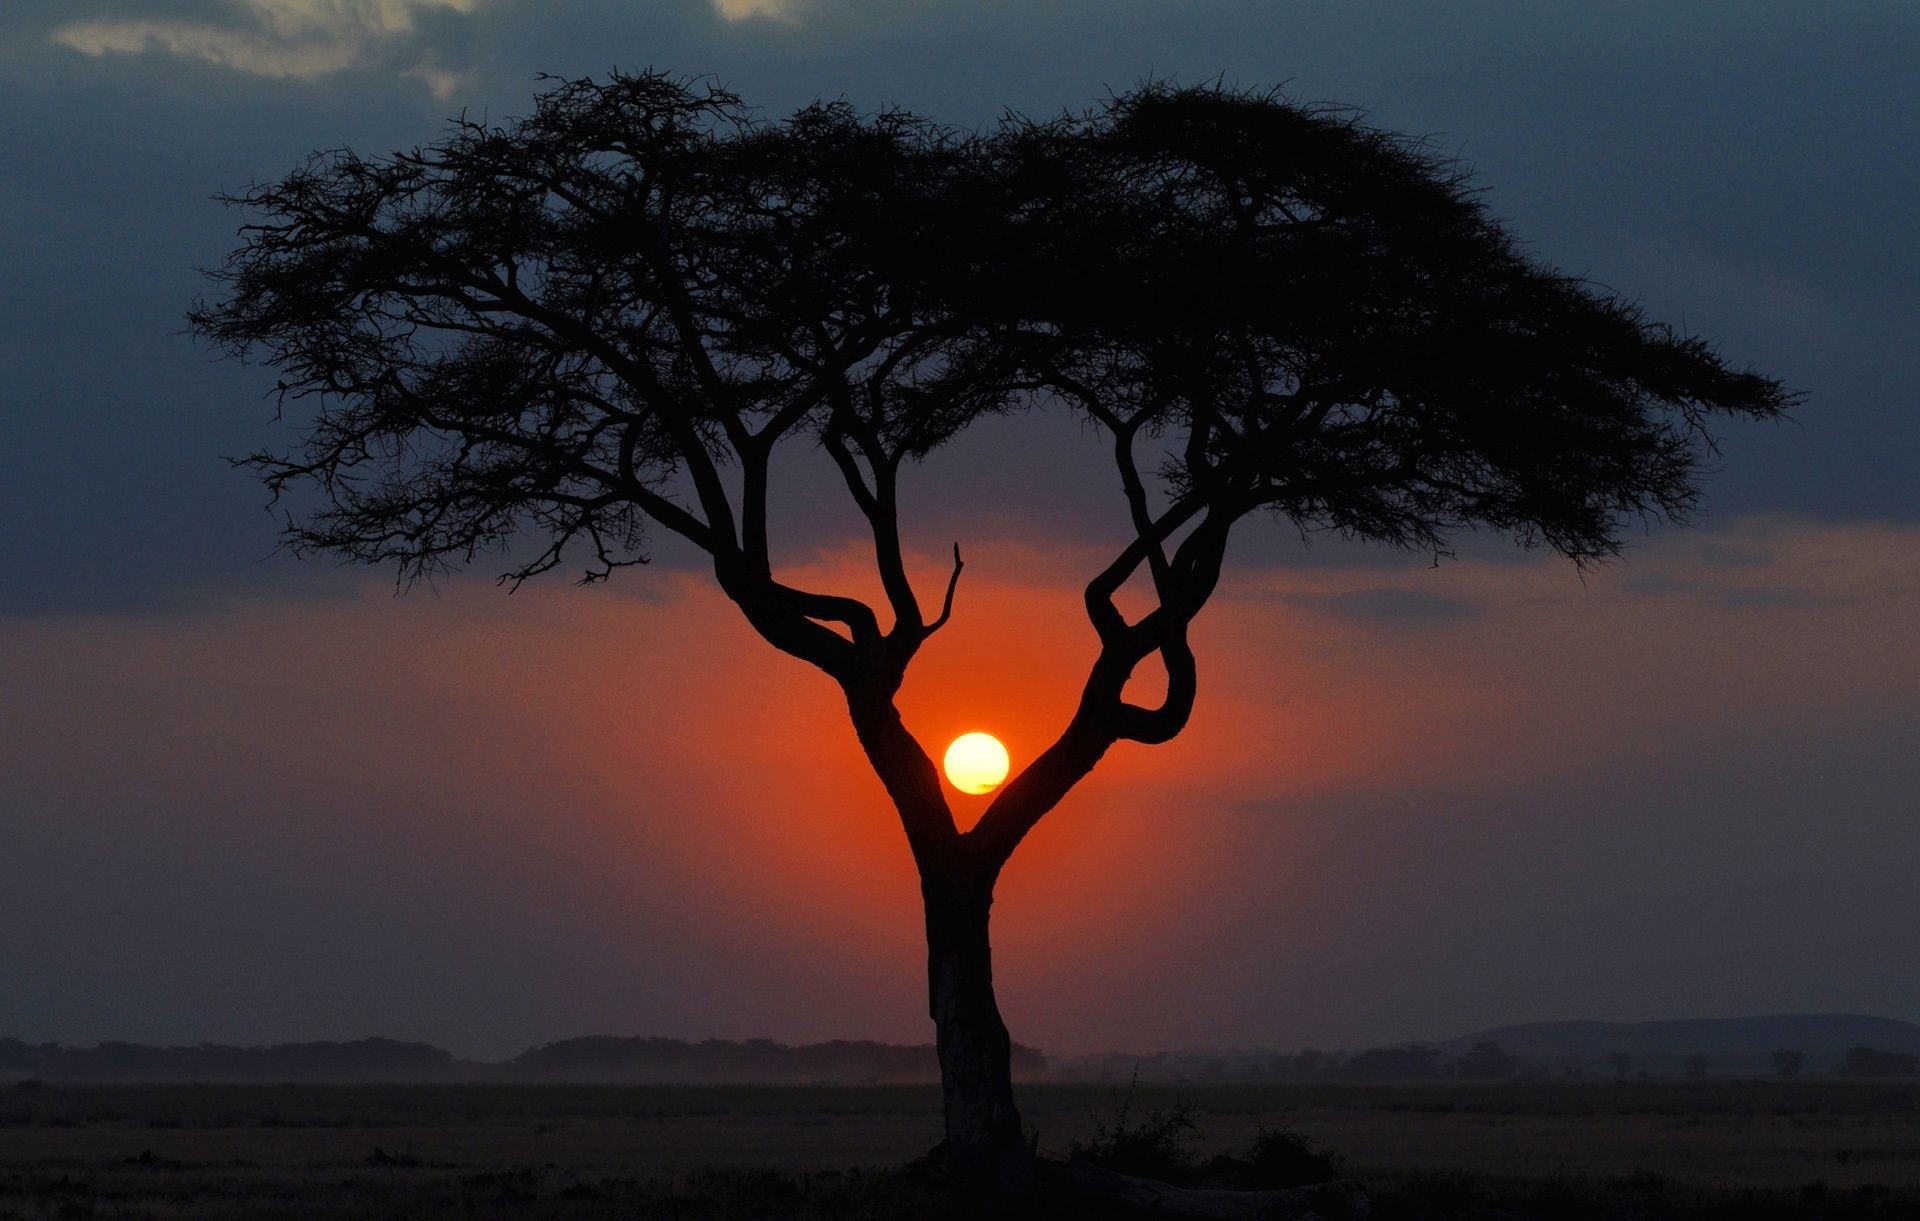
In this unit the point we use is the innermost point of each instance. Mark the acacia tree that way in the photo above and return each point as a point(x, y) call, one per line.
point(547, 337)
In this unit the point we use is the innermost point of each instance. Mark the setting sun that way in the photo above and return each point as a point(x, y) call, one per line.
point(976, 763)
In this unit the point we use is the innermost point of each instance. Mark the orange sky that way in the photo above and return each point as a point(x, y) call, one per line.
point(616, 811)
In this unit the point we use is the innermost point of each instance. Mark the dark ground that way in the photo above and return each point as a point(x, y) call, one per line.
point(1695, 1150)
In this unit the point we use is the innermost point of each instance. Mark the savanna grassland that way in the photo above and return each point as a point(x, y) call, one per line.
point(1716, 1149)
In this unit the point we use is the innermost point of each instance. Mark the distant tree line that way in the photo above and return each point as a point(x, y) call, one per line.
point(1483, 1061)
point(754, 1061)
point(642, 1061)
point(1867, 1062)
point(600, 1060)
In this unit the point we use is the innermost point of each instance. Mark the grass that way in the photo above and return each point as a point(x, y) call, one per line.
point(1697, 1151)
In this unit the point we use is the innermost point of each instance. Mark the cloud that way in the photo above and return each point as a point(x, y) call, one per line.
point(1750, 598)
point(1661, 583)
point(277, 39)
point(1776, 562)
point(741, 10)
point(1390, 607)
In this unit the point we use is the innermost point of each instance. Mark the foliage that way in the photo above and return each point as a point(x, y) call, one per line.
point(1281, 1157)
point(1158, 1143)
point(1413, 1062)
point(1155, 1144)
point(1486, 1062)
point(603, 318)
point(1871, 1062)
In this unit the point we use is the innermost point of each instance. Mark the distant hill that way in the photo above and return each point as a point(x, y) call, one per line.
point(1731, 1045)
point(604, 1060)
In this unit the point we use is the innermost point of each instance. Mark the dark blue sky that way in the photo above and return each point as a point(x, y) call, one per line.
point(246, 798)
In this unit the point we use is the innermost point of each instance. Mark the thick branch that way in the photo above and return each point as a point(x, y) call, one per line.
point(911, 780)
point(1106, 616)
point(789, 619)
point(1144, 527)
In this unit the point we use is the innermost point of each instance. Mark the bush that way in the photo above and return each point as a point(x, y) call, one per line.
point(1154, 1146)
point(1157, 1145)
point(1278, 1159)
point(1287, 1159)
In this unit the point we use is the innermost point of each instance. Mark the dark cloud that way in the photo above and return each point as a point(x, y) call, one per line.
point(1718, 553)
point(1389, 607)
point(1756, 599)
point(1660, 583)
point(1740, 171)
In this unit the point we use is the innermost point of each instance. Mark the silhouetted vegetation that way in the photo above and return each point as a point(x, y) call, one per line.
point(1487, 1061)
point(1734, 1046)
point(639, 1061)
point(549, 337)
point(1154, 1144)
point(1413, 1062)
point(755, 1061)
point(1867, 1062)
point(1281, 1157)
point(601, 1060)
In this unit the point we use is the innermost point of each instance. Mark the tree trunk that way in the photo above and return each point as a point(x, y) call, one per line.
point(988, 1158)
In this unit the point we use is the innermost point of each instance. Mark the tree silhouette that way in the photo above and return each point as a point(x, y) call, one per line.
point(1487, 1061)
point(1787, 1062)
point(1871, 1062)
point(543, 339)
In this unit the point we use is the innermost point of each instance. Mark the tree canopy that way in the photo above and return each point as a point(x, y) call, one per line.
point(548, 336)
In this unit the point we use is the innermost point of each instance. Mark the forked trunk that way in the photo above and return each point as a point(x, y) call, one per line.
point(986, 1154)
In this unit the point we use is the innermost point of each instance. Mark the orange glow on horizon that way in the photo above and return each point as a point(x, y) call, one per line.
point(577, 763)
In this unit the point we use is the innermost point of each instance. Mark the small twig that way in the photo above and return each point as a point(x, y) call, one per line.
point(946, 607)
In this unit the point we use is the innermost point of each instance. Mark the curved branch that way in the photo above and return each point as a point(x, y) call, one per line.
point(946, 605)
point(1153, 726)
point(1103, 716)
point(1099, 595)
point(831, 608)
point(878, 503)
point(790, 619)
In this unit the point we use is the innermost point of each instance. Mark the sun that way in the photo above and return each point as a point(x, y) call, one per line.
point(976, 763)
